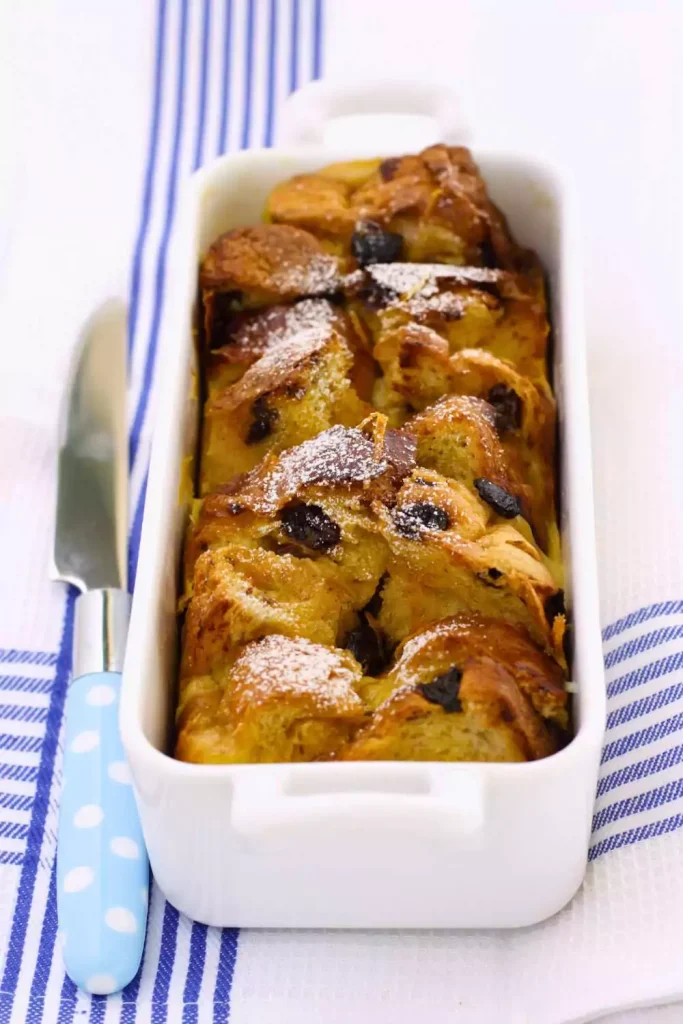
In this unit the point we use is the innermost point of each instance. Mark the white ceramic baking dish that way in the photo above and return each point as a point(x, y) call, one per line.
point(381, 844)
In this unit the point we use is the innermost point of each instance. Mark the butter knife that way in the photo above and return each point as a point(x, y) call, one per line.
point(102, 865)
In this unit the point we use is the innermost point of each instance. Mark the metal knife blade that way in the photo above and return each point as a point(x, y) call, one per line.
point(92, 489)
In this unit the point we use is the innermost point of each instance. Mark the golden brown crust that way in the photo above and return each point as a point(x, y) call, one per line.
point(247, 336)
point(283, 700)
point(469, 688)
point(495, 723)
point(377, 471)
point(339, 474)
point(240, 594)
point(300, 386)
point(526, 424)
point(452, 553)
point(316, 202)
point(455, 640)
point(470, 307)
point(459, 438)
point(268, 263)
point(436, 200)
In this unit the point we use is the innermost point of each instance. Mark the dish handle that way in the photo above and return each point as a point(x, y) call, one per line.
point(375, 115)
point(266, 804)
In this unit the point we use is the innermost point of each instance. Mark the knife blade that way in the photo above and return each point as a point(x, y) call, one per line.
point(92, 481)
point(102, 865)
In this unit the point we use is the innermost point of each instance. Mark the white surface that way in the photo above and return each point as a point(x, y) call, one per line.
point(597, 85)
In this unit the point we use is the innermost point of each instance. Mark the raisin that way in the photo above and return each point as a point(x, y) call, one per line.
point(374, 296)
point(507, 406)
point(234, 508)
point(490, 576)
point(374, 605)
point(223, 307)
point(420, 515)
point(365, 644)
point(388, 168)
point(263, 421)
point(311, 526)
point(491, 288)
point(500, 500)
point(488, 254)
point(444, 690)
point(554, 605)
point(373, 245)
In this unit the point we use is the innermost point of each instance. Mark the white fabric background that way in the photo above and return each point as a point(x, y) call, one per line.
point(596, 86)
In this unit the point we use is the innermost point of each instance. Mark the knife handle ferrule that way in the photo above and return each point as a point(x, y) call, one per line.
point(100, 631)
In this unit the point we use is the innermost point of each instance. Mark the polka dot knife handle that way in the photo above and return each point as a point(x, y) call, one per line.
point(102, 866)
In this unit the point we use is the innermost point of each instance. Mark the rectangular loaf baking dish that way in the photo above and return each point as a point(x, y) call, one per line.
point(376, 844)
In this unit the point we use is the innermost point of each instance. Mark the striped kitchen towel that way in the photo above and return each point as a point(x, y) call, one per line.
point(220, 70)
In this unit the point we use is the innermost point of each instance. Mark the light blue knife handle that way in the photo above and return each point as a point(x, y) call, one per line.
point(102, 865)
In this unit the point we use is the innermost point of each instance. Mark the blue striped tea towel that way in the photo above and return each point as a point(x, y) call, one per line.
point(219, 71)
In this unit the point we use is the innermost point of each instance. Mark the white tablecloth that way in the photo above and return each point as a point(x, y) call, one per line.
point(595, 86)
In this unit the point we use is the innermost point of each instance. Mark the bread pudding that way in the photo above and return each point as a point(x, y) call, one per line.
point(372, 568)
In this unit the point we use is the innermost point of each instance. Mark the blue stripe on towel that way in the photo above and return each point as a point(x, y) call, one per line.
point(27, 684)
point(643, 643)
point(248, 76)
point(162, 981)
point(317, 39)
point(224, 975)
point(227, 67)
point(203, 83)
point(642, 737)
point(135, 534)
point(160, 274)
point(636, 835)
point(48, 935)
point(294, 48)
point(272, 75)
point(279, 41)
point(651, 611)
point(641, 769)
point(645, 674)
point(14, 656)
point(150, 171)
point(45, 772)
point(195, 973)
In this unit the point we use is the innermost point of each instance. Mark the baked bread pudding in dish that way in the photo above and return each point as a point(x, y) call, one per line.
point(372, 568)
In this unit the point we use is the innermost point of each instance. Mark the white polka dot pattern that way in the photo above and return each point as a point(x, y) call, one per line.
point(123, 846)
point(102, 865)
point(78, 879)
point(120, 919)
point(101, 984)
point(118, 771)
point(88, 816)
point(100, 695)
point(85, 741)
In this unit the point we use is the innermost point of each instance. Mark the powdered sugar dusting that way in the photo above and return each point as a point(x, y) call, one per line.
point(429, 300)
point(420, 288)
point(318, 275)
point(278, 361)
point(402, 278)
point(338, 455)
point(275, 326)
point(278, 665)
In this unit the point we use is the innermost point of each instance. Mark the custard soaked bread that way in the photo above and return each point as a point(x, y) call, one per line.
point(372, 567)
point(432, 206)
